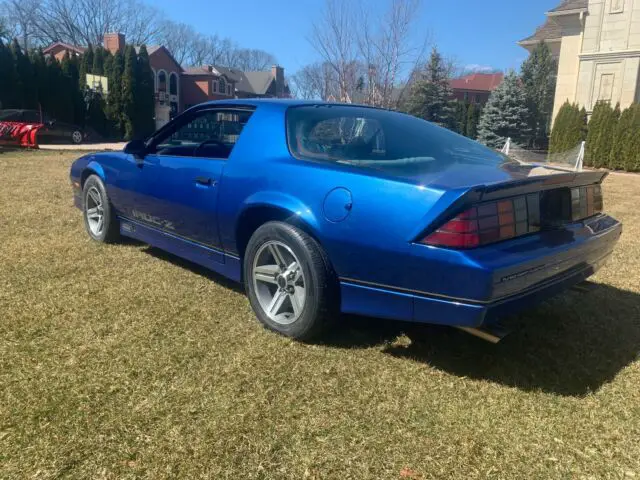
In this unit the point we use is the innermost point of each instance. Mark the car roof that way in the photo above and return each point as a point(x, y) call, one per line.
point(283, 103)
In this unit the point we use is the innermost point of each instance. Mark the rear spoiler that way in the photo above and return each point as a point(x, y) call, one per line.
point(536, 184)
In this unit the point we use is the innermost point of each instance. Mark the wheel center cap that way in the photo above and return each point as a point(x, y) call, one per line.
point(282, 281)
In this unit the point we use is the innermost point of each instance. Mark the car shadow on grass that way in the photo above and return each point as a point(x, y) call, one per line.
point(570, 345)
point(195, 268)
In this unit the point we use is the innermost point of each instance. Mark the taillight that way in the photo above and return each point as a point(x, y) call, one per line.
point(493, 222)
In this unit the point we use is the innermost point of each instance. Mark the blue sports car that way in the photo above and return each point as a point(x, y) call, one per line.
point(321, 208)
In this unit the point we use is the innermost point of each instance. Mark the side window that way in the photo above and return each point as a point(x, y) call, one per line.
point(209, 134)
point(353, 138)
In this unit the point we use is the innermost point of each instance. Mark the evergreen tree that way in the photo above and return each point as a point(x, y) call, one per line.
point(602, 127)
point(26, 86)
point(86, 64)
point(569, 128)
point(56, 108)
point(538, 75)
point(129, 87)
point(8, 78)
point(458, 122)
point(473, 117)
point(41, 78)
point(622, 136)
point(505, 115)
point(145, 101)
point(114, 111)
point(430, 97)
point(98, 61)
point(631, 150)
point(66, 106)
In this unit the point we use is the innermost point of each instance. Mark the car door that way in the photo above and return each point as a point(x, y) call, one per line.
point(175, 186)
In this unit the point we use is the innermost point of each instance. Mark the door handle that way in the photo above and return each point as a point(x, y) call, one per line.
point(206, 181)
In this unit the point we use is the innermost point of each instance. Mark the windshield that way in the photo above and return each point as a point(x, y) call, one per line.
point(380, 139)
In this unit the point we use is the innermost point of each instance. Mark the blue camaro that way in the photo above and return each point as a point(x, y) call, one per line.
point(324, 208)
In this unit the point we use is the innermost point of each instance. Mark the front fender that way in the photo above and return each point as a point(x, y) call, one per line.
point(97, 168)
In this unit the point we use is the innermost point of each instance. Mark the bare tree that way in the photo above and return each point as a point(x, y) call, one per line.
point(334, 38)
point(81, 22)
point(389, 51)
point(316, 81)
point(372, 57)
point(251, 59)
point(179, 38)
point(23, 15)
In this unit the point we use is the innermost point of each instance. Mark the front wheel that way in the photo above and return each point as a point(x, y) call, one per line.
point(289, 280)
point(99, 218)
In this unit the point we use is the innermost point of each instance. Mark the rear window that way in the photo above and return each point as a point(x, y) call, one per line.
point(379, 139)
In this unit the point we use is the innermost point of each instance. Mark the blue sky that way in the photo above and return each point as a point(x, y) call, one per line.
point(473, 32)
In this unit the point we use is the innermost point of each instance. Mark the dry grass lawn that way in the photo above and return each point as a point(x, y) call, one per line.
point(123, 362)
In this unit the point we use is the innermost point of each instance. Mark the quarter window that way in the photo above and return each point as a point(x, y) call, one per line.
point(208, 134)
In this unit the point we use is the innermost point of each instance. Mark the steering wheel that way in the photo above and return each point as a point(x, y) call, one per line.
point(209, 141)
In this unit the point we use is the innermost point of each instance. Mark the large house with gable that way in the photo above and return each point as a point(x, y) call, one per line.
point(597, 44)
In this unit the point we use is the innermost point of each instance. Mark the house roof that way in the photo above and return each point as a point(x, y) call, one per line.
point(482, 82)
point(568, 5)
point(215, 71)
point(65, 46)
point(157, 48)
point(548, 32)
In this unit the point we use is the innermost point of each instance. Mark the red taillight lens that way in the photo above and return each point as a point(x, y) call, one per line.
point(486, 223)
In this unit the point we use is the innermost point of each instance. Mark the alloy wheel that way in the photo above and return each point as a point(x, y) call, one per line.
point(279, 282)
point(94, 210)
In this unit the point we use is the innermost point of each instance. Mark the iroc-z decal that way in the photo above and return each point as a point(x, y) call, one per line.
point(145, 217)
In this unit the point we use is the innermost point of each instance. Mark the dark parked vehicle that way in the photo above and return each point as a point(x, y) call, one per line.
point(53, 131)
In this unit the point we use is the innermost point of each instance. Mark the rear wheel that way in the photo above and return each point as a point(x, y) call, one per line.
point(290, 283)
point(99, 219)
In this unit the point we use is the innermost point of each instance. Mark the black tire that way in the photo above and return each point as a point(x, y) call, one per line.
point(110, 231)
point(322, 297)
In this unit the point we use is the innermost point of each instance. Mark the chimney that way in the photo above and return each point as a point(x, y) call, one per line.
point(114, 42)
point(277, 72)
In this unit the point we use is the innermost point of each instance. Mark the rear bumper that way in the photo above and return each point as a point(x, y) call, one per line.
point(514, 286)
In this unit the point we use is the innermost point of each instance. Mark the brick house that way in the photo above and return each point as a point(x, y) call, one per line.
point(58, 49)
point(476, 87)
point(214, 82)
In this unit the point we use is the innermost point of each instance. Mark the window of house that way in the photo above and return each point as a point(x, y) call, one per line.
point(214, 86)
point(173, 84)
point(617, 6)
point(222, 86)
point(206, 134)
point(162, 82)
point(229, 89)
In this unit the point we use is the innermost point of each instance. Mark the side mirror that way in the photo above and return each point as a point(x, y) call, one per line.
point(137, 148)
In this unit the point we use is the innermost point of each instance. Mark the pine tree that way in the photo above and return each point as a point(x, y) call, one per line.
point(114, 111)
point(56, 108)
point(129, 87)
point(632, 148)
point(86, 64)
point(602, 127)
point(608, 134)
point(8, 78)
point(569, 128)
point(145, 101)
point(622, 137)
point(66, 109)
point(98, 61)
point(26, 90)
point(459, 119)
point(41, 76)
point(505, 115)
point(538, 75)
point(473, 117)
point(430, 97)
